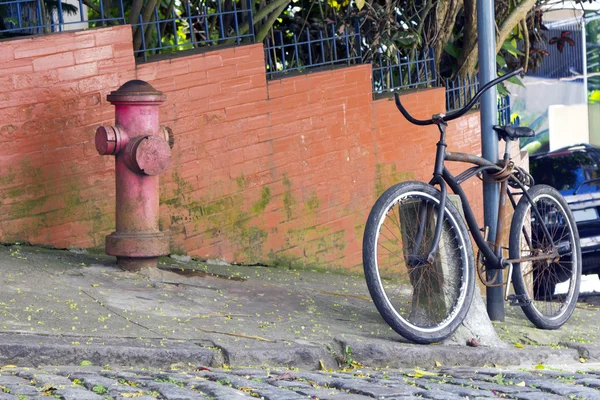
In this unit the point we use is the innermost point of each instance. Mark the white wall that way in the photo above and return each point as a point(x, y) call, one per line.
point(568, 125)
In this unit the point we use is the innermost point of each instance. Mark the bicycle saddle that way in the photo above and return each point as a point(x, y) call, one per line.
point(510, 133)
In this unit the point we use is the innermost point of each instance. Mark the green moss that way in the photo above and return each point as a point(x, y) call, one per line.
point(265, 198)
point(359, 231)
point(288, 198)
point(313, 202)
point(178, 198)
point(387, 175)
point(9, 178)
point(27, 207)
point(241, 182)
point(217, 206)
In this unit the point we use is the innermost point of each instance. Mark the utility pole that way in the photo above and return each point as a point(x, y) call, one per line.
point(489, 139)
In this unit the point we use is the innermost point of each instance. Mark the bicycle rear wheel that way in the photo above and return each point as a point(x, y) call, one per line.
point(421, 300)
point(549, 285)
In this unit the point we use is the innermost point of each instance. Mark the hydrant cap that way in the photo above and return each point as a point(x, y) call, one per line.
point(136, 91)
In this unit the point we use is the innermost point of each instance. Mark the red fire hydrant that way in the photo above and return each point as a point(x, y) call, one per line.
point(142, 151)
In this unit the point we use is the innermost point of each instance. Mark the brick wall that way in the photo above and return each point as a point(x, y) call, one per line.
point(278, 172)
point(54, 188)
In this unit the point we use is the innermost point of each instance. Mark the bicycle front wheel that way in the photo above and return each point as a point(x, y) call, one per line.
point(421, 300)
point(547, 278)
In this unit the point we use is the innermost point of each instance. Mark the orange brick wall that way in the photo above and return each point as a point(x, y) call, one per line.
point(277, 172)
point(54, 188)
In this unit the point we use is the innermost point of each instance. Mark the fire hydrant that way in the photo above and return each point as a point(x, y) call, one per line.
point(142, 150)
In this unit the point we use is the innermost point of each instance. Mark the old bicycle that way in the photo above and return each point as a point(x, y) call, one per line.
point(418, 257)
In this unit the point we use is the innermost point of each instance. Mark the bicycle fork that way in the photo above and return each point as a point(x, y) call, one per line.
point(437, 178)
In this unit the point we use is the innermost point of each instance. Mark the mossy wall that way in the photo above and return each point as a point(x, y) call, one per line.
point(280, 172)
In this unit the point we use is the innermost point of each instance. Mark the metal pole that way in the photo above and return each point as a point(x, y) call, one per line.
point(489, 139)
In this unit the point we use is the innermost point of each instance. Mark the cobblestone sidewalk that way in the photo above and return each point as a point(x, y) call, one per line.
point(91, 383)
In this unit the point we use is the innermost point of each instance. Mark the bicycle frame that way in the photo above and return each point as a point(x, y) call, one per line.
point(442, 176)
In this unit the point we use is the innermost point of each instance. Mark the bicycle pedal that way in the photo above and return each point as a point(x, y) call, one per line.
point(519, 300)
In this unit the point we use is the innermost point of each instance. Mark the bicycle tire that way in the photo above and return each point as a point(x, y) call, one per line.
point(401, 299)
point(538, 280)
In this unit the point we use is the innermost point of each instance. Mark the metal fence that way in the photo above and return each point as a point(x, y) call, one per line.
point(404, 71)
point(171, 26)
point(285, 53)
point(460, 91)
point(504, 110)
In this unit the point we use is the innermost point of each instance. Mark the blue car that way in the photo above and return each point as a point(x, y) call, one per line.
point(575, 172)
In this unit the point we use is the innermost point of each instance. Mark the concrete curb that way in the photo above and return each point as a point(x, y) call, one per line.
point(34, 351)
point(381, 353)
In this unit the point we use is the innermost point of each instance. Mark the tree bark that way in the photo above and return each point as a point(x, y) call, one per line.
point(469, 32)
point(266, 27)
point(446, 13)
point(469, 66)
point(146, 16)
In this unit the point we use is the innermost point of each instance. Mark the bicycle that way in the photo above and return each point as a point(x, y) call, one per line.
point(419, 261)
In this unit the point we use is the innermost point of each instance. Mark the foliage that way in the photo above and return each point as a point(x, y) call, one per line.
point(391, 29)
point(11, 16)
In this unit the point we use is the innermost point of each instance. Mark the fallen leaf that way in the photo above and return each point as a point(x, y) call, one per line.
point(438, 364)
point(520, 384)
point(582, 360)
point(540, 366)
point(132, 395)
point(518, 345)
point(419, 373)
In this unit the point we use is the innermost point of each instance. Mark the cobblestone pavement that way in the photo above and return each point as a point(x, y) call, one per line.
point(91, 383)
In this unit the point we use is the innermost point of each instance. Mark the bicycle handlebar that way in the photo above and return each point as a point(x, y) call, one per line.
point(460, 112)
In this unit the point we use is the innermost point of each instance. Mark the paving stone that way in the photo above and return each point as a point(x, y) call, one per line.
point(92, 379)
point(281, 384)
point(171, 391)
point(536, 396)
point(77, 394)
point(455, 389)
point(12, 380)
point(368, 389)
point(220, 392)
point(331, 394)
point(260, 388)
point(25, 390)
point(590, 382)
point(440, 395)
point(42, 379)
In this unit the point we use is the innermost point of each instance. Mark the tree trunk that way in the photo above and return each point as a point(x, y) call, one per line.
point(446, 13)
point(469, 66)
point(146, 15)
point(469, 34)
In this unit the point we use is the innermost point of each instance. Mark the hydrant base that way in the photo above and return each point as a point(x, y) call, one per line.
point(137, 245)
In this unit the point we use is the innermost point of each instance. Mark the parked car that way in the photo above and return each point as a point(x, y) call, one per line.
point(575, 172)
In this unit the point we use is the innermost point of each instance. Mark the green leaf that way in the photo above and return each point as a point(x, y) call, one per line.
point(516, 81)
point(86, 363)
point(500, 61)
point(453, 50)
point(508, 46)
point(595, 96)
